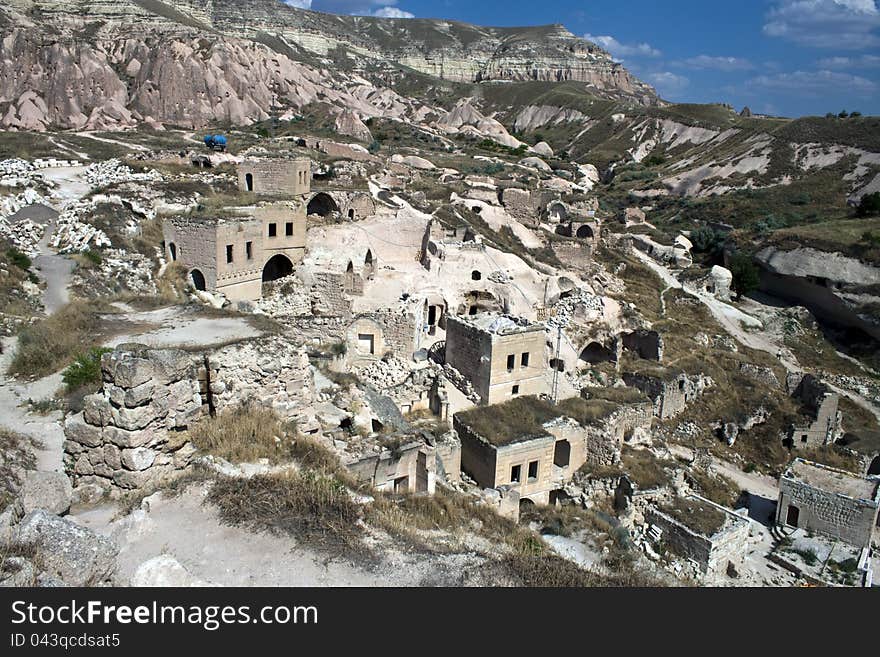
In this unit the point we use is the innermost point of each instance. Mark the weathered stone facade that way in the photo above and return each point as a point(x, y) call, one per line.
point(828, 501)
point(822, 405)
point(382, 333)
point(714, 554)
point(501, 357)
point(235, 252)
point(129, 434)
point(670, 395)
point(275, 177)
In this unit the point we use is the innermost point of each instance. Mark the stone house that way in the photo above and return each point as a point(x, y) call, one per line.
point(671, 392)
point(386, 332)
point(502, 357)
point(235, 250)
point(413, 465)
point(713, 538)
point(535, 447)
point(829, 501)
point(823, 419)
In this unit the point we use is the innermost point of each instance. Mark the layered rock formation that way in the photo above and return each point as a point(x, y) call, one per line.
point(99, 65)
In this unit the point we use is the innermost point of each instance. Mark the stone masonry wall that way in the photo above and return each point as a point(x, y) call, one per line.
point(845, 518)
point(129, 434)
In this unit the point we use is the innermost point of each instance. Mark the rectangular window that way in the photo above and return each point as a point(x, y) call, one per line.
point(511, 362)
point(288, 228)
point(228, 253)
point(249, 250)
point(525, 360)
point(273, 230)
point(515, 390)
point(533, 470)
point(515, 474)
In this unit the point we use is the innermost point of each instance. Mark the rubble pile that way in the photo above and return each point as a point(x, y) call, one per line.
point(385, 373)
point(117, 270)
point(580, 303)
point(72, 234)
point(113, 171)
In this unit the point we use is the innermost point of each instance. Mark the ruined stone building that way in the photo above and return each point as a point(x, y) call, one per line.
point(535, 447)
point(828, 501)
point(411, 465)
point(502, 357)
point(822, 424)
point(234, 250)
point(670, 391)
point(714, 539)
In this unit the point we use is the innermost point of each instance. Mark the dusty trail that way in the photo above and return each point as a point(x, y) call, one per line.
point(735, 322)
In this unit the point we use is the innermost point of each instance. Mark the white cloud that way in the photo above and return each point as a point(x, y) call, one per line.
point(621, 50)
point(865, 61)
point(707, 62)
point(813, 84)
point(299, 4)
point(392, 12)
point(667, 83)
point(843, 24)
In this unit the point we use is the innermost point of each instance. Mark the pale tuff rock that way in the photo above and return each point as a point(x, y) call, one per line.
point(349, 123)
point(164, 570)
point(74, 554)
point(464, 118)
point(542, 149)
point(50, 491)
point(413, 161)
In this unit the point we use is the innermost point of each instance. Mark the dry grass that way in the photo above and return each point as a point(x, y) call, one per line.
point(315, 508)
point(311, 453)
point(698, 516)
point(404, 516)
point(243, 435)
point(715, 487)
point(643, 468)
point(51, 344)
point(832, 456)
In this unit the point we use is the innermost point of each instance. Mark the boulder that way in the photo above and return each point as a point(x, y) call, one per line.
point(348, 123)
point(542, 149)
point(50, 491)
point(164, 570)
point(73, 553)
point(535, 163)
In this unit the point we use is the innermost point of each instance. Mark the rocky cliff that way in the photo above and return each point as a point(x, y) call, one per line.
point(96, 64)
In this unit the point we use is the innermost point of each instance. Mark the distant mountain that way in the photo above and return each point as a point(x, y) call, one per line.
point(104, 64)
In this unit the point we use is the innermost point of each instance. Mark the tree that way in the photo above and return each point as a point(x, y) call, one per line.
point(829, 115)
point(854, 115)
point(843, 115)
point(746, 276)
point(869, 206)
point(706, 240)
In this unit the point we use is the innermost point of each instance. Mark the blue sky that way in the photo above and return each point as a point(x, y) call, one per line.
point(785, 57)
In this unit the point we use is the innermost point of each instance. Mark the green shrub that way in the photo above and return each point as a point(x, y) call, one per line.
point(85, 370)
point(18, 259)
point(746, 276)
point(869, 206)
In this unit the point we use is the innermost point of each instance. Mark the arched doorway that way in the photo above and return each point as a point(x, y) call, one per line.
point(278, 266)
point(249, 181)
point(369, 265)
point(198, 279)
point(585, 232)
point(874, 468)
point(172, 249)
point(322, 204)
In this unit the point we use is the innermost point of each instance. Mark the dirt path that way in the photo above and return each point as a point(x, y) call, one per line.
point(735, 321)
point(55, 270)
point(134, 147)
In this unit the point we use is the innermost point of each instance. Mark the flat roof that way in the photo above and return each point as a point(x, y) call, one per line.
point(832, 480)
point(522, 419)
point(499, 323)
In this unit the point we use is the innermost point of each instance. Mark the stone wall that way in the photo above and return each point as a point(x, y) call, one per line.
point(822, 404)
point(670, 397)
point(129, 434)
point(272, 371)
point(275, 177)
point(712, 554)
point(328, 296)
point(832, 514)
